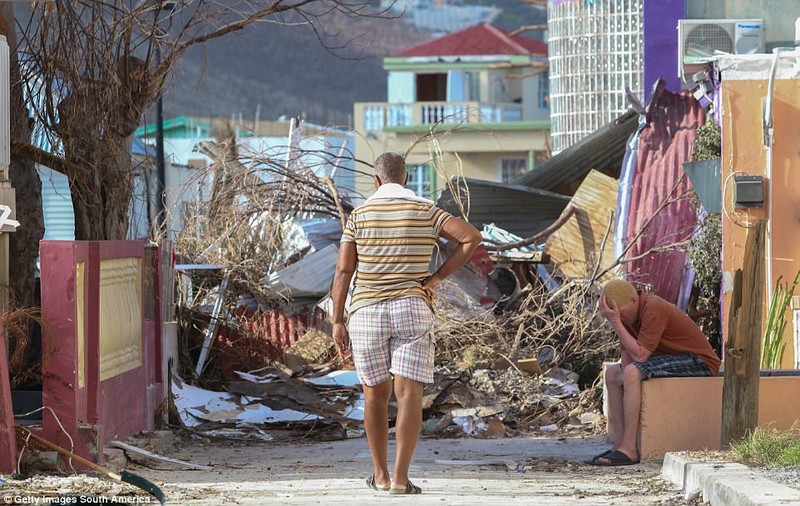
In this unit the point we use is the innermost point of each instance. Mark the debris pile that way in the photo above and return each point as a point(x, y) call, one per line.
point(518, 347)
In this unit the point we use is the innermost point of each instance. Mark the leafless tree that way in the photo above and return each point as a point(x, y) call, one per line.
point(98, 65)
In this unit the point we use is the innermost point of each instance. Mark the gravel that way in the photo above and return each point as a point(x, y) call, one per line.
point(789, 476)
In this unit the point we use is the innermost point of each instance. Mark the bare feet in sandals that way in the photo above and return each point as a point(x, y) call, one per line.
point(410, 488)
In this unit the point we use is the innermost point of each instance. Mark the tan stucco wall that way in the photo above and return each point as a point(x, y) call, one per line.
point(743, 150)
point(699, 402)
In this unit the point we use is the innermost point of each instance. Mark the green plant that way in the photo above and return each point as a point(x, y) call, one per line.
point(704, 255)
point(705, 251)
point(770, 447)
point(773, 345)
point(707, 142)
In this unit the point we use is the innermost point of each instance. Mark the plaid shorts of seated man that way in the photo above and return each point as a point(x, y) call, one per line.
point(669, 366)
point(393, 337)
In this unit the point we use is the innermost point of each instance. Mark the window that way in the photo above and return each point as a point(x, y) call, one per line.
point(512, 168)
point(420, 180)
point(473, 86)
point(544, 91)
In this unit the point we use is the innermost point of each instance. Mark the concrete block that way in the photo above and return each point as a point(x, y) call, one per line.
point(686, 413)
point(726, 483)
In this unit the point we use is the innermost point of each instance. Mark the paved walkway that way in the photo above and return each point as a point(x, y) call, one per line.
point(549, 470)
point(552, 471)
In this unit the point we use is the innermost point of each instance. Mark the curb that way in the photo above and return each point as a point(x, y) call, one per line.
point(725, 483)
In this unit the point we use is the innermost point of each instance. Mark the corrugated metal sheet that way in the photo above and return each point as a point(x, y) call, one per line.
point(322, 233)
point(575, 247)
point(59, 216)
point(665, 144)
point(602, 150)
point(520, 210)
point(310, 277)
point(624, 194)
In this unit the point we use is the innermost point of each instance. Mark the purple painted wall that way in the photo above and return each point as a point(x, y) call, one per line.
point(661, 43)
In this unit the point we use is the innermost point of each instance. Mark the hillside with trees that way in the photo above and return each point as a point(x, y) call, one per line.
point(288, 72)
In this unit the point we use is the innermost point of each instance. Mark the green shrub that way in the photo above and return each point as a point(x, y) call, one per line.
point(770, 447)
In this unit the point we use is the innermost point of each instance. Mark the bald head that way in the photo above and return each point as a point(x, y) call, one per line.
point(619, 291)
point(391, 168)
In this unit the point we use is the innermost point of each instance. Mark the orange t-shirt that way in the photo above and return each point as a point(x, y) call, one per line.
point(663, 329)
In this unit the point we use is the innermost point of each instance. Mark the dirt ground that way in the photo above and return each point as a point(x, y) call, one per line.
point(529, 470)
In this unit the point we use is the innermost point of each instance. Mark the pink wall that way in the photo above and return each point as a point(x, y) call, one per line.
point(8, 440)
point(100, 411)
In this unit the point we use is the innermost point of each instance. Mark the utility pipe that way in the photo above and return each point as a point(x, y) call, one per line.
point(769, 140)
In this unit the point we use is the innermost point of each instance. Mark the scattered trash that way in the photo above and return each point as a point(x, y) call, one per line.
point(126, 476)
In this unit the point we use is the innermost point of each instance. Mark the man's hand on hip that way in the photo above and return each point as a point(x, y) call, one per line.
point(430, 284)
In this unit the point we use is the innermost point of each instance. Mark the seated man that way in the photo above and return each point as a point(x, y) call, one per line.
point(656, 340)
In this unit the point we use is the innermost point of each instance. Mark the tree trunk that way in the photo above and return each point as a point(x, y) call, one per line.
point(24, 243)
point(101, 199)
point(101, 204)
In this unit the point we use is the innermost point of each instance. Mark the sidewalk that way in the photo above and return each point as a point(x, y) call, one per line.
point(552, 471)
point(722, 483)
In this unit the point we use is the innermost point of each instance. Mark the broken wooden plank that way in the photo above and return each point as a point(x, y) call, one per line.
point(574, 247)
point(154, 456)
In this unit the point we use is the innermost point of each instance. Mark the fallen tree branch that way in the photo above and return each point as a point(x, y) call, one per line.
point(560, 222)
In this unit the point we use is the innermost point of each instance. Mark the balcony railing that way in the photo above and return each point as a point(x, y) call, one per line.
point(381, 115)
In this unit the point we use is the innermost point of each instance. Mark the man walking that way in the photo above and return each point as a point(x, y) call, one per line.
point(388, 243)
point(656, 340)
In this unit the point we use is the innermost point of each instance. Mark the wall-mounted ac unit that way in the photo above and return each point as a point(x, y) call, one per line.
point(701, 39)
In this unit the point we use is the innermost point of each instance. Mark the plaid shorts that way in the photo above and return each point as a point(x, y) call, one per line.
point(665, 366)
point(393, 337)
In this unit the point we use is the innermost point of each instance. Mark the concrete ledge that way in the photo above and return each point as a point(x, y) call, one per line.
point(686, 413)
point(726, 483)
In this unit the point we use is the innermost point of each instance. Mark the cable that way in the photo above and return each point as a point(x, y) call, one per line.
point(71, 442)
point(725, 208)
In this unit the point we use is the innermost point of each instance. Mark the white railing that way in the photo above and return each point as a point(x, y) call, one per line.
point(380, 115)
point(5, 105)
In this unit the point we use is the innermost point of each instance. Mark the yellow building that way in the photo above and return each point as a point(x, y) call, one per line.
point(483, 90)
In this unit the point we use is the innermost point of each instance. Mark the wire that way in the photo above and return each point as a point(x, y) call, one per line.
point(71, 442)
point(725, 208)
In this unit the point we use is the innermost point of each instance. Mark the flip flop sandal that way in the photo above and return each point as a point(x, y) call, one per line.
point(374, 486)
point(410, 489)
point(615, 458)
point(601, 455)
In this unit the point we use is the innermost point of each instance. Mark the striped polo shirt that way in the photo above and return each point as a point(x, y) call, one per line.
point(395, 233)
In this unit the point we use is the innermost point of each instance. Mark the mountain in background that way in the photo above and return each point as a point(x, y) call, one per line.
point(287, 72)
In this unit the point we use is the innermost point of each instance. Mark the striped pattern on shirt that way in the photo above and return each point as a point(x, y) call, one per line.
point(394, 240)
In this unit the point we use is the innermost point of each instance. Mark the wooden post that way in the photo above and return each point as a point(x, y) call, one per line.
point(743, 343)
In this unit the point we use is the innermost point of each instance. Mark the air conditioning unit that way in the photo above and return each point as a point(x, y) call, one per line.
point(701, 39)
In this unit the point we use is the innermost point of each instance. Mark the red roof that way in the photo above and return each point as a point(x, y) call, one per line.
point(477, 40)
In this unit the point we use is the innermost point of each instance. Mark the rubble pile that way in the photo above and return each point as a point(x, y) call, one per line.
point(518, 349)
